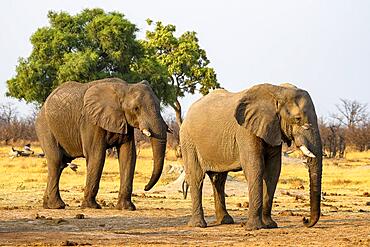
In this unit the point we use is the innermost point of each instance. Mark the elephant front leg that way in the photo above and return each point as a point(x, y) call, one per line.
point(127, 161)
point(253, 170)
point(270, 180)
point(218, 182)
point(95, 163)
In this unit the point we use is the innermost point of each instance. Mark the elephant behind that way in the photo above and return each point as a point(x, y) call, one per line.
point(226, 131)
point(83, 120)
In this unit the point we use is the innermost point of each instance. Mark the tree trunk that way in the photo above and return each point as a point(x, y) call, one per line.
point(177, 107)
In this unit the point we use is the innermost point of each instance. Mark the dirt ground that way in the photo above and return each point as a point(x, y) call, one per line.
point(162, 214)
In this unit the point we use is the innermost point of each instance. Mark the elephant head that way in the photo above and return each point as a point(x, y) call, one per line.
point(286, 113)
point(114, 106)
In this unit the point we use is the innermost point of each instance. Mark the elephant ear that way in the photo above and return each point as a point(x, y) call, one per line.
point(257, 111)
point(102, 106)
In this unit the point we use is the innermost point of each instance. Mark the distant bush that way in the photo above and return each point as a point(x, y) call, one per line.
point(15, 129)
point(349, 127)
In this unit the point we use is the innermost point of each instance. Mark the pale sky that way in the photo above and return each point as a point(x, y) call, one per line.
point(322, 46)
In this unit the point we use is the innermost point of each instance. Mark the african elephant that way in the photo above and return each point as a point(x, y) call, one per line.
point(83, 120)
point(226, 131)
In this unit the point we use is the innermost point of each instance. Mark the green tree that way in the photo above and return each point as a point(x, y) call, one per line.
point(87, 46)
point(186, 63)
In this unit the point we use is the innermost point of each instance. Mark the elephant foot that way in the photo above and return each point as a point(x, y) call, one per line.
point(126, 205)
point(197, 222)
point(226, 219)
point(269, 222)
point(254, 224)
point(53, 204)
point(90, 204)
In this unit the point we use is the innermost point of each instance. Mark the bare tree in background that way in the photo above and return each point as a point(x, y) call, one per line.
point(13, 128)
point(351, 113)
point(333, 138)
point(350, 126)
point(8, 113)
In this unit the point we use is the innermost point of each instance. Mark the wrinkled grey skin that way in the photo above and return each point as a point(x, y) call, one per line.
point(83, 120)
point(226, 131)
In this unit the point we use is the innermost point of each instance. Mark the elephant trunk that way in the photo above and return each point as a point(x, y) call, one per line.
point(313, 141)
point(158, 141)
point(315, 171)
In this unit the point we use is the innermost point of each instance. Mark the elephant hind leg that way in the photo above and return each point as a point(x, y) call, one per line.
point(194, 177)
point(54, 158)
point(218, 182)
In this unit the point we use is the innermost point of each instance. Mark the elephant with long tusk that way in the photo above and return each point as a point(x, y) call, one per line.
point(226, 131)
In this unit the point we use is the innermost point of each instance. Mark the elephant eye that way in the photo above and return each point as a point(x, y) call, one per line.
point(136, 109)
point(297, 119)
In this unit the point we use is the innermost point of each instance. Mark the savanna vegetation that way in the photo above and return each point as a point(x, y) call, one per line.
point(162, 213)
point(95, 44)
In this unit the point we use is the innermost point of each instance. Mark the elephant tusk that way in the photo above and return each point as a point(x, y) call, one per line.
point(306, 152)
point(146, 132)
point(169, 130)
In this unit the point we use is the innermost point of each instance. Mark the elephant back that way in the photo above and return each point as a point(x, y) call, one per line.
point(65, 101)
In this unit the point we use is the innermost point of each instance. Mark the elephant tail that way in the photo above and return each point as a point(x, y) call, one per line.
point(185, 188)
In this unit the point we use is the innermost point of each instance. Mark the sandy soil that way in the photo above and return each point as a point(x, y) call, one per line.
point(162, 216)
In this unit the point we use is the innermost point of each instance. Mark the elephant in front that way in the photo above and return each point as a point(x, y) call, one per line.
point(226, 131)
point(85, 119)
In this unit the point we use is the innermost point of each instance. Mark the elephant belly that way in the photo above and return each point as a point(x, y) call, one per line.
point(218, 154)
point(69, 140)
point(66, 134)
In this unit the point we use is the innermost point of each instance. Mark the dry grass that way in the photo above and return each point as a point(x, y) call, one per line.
point(346, 186)
point(25, 178)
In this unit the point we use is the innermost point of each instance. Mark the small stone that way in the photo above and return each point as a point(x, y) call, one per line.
point(80, 216)
point(367, 203)
point(286, 213)
point(60, 220)
point(333, 209)
point(103, 203)
point(246, 205)
point(239, 205)
point(68, 243)
point(40, 217)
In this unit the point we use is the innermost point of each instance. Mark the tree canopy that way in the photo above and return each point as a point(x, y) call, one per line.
point(186, 63)
point(87, 46)
point(94, 44)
